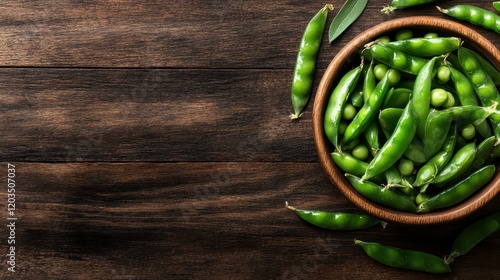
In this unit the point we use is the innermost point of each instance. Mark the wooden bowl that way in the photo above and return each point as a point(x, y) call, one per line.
point(347, 58)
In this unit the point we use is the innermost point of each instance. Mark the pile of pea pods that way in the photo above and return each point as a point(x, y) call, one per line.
point(415, 126)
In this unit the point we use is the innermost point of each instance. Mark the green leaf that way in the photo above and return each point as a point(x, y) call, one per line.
point(349, 12)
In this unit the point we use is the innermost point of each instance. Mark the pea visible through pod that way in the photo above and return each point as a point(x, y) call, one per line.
point(404, 258)
point(305, 64)
point(337, 220)
point(474, 15)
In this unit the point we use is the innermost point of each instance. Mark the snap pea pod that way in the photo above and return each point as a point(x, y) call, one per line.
point(436, 128)
point(336, 220)
point(421, 98)
point(430, 169)
point(439, 122)
point(403, 4)
point(460, 191)
point(305, 64)
point(459, 163)
point(467, 96)
point(368, 112)
point(349, 164)
point(483, 85)
point(337, 102)
point(425, 47)
point(397, 98)
point(371, 133)
point(475, 15)
point(488, 67)
point(388, 118)
point(403, 258)
point(415, 151)
point(382, 196)
point(496, 5)
point(395, 146)
point(473, 235)
point(396, 59)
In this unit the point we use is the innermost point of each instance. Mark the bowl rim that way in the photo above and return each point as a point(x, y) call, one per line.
point(453, 213)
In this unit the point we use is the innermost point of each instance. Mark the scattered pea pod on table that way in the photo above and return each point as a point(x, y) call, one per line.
point(475, 15)
point(305, 64)
point(474, 234)
point(404, 258)
point(403, 4)
point(337, 220)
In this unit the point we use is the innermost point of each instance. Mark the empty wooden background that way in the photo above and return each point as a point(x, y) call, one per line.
point(151, 140)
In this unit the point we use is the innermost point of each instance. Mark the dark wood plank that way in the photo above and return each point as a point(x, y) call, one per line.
point(203, 220)
point(174, 34)
point(150, 115)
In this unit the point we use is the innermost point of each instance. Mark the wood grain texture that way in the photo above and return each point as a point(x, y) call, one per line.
point(151, 140)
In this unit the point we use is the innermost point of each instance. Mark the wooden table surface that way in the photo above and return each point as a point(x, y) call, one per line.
point(151, 140)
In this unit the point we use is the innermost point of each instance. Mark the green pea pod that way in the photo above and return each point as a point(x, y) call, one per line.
point(483, 85)
point(356, 97)
point(395, 146)
point(371, 133)
point(382, 196)
point(388, 118)
point(368, 112)
point(473, 235)
point(458, 164)
point(396, 59)
point(405, 259)
point(397, 98)
point(460, 191)
point(421, 98)
point(496, 5)
point(336, 220)
point(430, 169)
point(349, 164)
point(305, 64)
point(488, 67)
point(415, 151)
point(467, 96)
point(483, 153)
point(426, 47)
point(336, 104)
point(437, 125)
point(403, 4)
point(475, 15)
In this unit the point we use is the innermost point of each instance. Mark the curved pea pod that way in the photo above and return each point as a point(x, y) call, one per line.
point(349, 164)
point(336, 220)
point(403, 258)
point(488, 67)
point(395, 146)
point(483, 85)
point(460, 191)
point(415, 151)
point(430, 169)
point(368, 112)
point(371, 133)
point(458, 164)
point(467, 96)
point(473, 235)
point(437, 125)
point(421, 98)
point(336, 104)
point(397, 98)
point(475, 15)
point(396, 59)
point(426, 47)
point(385, 197)
point(484, 150)
point(388, 118)
point(305, 64)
